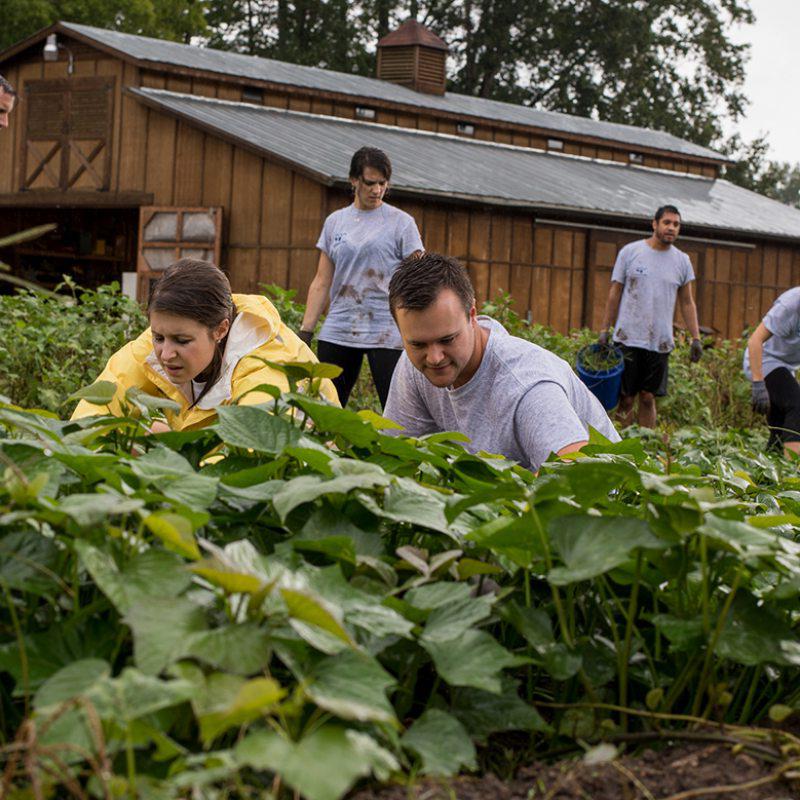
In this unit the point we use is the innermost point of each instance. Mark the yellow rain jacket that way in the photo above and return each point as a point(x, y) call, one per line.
point(257, 330)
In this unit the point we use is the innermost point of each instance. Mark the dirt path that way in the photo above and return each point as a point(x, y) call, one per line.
point(683, 772)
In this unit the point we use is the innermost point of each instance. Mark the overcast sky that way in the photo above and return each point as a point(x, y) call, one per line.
point(773, 77)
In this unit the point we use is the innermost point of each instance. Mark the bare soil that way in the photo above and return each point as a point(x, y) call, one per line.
point(680, 772)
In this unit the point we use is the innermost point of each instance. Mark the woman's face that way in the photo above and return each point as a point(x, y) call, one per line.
point(369, 189)
point(183, 346)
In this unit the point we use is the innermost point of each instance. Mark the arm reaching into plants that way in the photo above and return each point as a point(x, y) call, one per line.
point(755, 349)
point(318, 295)
point(689, 313)
point(612, 310)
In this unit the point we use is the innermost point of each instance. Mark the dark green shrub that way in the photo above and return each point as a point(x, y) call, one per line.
point(55, 343)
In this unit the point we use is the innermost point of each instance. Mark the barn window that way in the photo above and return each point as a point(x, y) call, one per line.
point(466, 129)
point(67, 142)
point(363, 112)
point(251, 94)
point(555, 144)
point(636, 158)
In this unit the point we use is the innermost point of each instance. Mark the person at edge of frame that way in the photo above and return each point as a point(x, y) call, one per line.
point(463, 372)
point(360, 247)
point(197, 350)
point(8, 97)
point(770, 361)
point(648, 276)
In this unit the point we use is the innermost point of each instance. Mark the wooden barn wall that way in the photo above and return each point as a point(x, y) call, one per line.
point(558, 275)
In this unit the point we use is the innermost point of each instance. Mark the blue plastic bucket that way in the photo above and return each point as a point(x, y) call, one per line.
point(603, 384)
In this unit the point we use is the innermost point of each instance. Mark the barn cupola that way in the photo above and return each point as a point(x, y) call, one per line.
point(413, 56)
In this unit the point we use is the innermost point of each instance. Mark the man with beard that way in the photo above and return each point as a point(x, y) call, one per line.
point(648, 277)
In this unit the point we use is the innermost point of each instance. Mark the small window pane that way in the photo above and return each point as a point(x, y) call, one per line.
point(199, 227)
point(159, 258)
point(162, 227)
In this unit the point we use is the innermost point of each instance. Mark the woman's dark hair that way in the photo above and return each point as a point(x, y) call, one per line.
point(416, 283)
point(370, 157)
point(200, 291)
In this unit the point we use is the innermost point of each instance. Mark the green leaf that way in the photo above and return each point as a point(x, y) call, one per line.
point(91, 510)
point(147, 573)
point(305, 607)
point(330, 419)
point(473, 659)
point(230, 705)
point(483, 713)
point(684, 635)
point(163, 629)
point(243, 649)
point(148, 404)
point(591, 546)
point(442, 744)
point(452, 620)
point(352, 686)
point(100, 393)
point(175, 531)
point(307, 488)
point(30, 562)
point(754, 635)
point(133, 695)
point(71, 681)
point(322, 765)
point(256, 429)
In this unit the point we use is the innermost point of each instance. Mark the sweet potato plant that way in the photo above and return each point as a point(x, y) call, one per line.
point(292, 600)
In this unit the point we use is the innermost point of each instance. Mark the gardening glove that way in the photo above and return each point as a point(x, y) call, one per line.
point(305, 337)
point(760, 397)
point(696, 352)
point(603, 338)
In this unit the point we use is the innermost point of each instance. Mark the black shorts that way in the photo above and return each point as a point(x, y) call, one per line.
point(783, 417)
point(645, 371)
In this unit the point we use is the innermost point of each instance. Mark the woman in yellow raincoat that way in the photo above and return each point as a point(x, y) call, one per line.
point(196, 350)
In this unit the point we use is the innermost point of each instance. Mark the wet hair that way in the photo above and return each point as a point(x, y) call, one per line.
point(665, 210)
point(370, 157)
point(200, 291)
point(419, 279)
point(6, 87)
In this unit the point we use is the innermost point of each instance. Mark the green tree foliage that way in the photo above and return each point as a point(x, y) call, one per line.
point(661, 63)
point(753, 170)
point(179, 20)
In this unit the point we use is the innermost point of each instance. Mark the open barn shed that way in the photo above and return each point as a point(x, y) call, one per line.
point(143, 150)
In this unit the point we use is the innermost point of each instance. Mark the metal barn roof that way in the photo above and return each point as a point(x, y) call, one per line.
point(442, 166)
point(160, 51)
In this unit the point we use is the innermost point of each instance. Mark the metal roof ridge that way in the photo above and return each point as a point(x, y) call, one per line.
point(555, 115)
point(148, 90)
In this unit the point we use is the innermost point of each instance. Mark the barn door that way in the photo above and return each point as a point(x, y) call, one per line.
point(167, 234)
point(68, 127)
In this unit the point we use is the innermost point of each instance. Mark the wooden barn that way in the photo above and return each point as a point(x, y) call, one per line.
point(143, 150)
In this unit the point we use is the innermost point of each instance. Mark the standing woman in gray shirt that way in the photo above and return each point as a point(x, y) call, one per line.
point(360, 247)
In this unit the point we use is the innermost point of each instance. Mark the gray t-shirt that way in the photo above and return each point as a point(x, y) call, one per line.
point(366, 248)
point(782, 349)
point(523, 402)
point(651, 279)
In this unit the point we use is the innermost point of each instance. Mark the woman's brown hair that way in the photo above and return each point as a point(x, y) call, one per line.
point(200, 291)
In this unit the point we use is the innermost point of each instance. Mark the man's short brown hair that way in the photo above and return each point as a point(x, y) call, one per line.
point(419, 279)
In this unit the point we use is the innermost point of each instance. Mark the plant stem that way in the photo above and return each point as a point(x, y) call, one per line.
point(626, 648)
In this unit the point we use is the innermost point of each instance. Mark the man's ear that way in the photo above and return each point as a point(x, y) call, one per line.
point(473, 315)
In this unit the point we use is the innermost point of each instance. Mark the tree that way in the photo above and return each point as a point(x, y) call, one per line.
point(179, 20)
point(753, 170)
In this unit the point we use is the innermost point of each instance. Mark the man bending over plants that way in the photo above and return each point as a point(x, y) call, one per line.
point(648, 276)
point(770, 361)
point(463, 372)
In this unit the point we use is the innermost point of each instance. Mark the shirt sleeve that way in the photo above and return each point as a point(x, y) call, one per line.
point(545, 422)
point(405, 405)
point(782, 319)
point(324, 241)
point(620, 271)
point(410, 240)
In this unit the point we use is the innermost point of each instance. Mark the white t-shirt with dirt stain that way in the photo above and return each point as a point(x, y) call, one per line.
point(366, 247)
point(523, 402)
point(651, 279)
